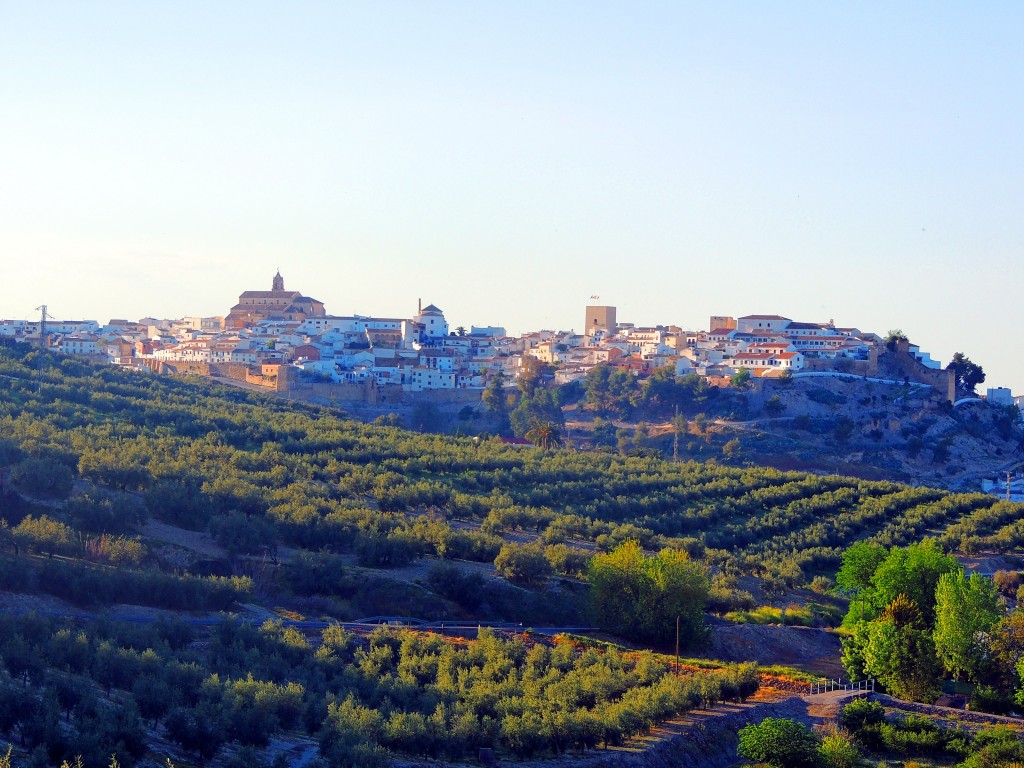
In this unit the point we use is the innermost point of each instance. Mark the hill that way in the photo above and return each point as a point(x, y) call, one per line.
point(179, 495)
point(839, 425)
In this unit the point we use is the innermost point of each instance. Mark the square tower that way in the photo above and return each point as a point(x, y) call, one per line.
point(602, 317)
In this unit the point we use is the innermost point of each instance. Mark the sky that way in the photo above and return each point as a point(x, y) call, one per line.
point(856, 162)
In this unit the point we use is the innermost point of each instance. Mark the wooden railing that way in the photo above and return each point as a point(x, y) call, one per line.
point(828, 686)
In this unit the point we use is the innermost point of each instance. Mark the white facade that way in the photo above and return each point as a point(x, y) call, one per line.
point(761, 323)
point(85, 344)
point(432, 322)
point(999, 396)
point(423, 378)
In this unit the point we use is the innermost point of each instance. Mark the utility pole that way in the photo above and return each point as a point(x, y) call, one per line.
point(677, 646)
point(675, 441)
point(42, 327)
point(1009, 474)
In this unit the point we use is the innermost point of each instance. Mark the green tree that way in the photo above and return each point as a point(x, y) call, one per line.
point(913, 571)
point(545, 434)
point(741, 378)
point(859, 562)
point(900, 653)
point(895, 336)
point(44, 534)
point(1006, 646)
point(731, 449)
point(43, 477)
point(597, 390)
point(968, 374)
point(496, 400)
point(965, 610)
point(781, 743)
point(523, 564)
point(610, 390)
point(640, 597)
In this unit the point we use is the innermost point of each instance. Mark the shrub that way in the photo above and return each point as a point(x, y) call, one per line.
point(781, 743)
point(1008, 582)
point(821, 585)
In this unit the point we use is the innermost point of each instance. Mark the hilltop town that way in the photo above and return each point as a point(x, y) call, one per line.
point(277, 338)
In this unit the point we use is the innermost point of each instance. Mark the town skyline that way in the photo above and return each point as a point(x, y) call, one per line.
point(514, 330)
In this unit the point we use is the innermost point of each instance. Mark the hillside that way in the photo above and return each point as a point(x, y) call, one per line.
point(150, 496)
point(844, 426)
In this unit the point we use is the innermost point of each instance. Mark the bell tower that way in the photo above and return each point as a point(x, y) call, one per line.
point(278, 282)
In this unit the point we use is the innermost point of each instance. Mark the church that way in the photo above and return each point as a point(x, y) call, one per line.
point(275, 304)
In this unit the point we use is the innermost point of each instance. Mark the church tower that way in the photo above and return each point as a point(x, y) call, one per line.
point(278, 282)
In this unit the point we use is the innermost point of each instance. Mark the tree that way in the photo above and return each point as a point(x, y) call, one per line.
point(427, 418)
point(610, 389)
point(596, 389)
point(781, 743)
point(900, 653)
point(43, 477)
point(741, 378)
point(965, 610)
point(859, 562)
point(913, 571)
point(496, 401)
point(523, 564)
point(640, 596)
point(774, 406)
point(968, 374)
point(545, 434)
point(893, 337)
point(536, 406)
point(1006, 647)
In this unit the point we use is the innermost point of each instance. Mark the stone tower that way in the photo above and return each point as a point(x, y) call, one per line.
point(278, 282)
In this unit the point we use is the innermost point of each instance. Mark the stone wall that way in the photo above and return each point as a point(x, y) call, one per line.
point(903, 364)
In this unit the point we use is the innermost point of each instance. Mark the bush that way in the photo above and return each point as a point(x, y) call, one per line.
point(1008, 582)
point(821, 585)
point(781, 743)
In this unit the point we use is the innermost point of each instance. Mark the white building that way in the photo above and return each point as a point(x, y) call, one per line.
point(1000, 396)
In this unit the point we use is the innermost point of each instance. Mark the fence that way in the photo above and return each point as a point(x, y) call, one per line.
point(828, 686)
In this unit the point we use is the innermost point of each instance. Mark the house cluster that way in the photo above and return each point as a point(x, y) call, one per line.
point(282, 327)
point(765, 345)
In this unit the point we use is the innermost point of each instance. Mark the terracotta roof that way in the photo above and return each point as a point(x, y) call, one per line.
point(764, 317)
point(284, 295)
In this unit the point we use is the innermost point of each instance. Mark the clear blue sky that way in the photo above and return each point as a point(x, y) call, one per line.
point(862, 162)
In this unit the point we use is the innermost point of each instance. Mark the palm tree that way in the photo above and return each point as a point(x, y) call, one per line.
point(545, 434)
